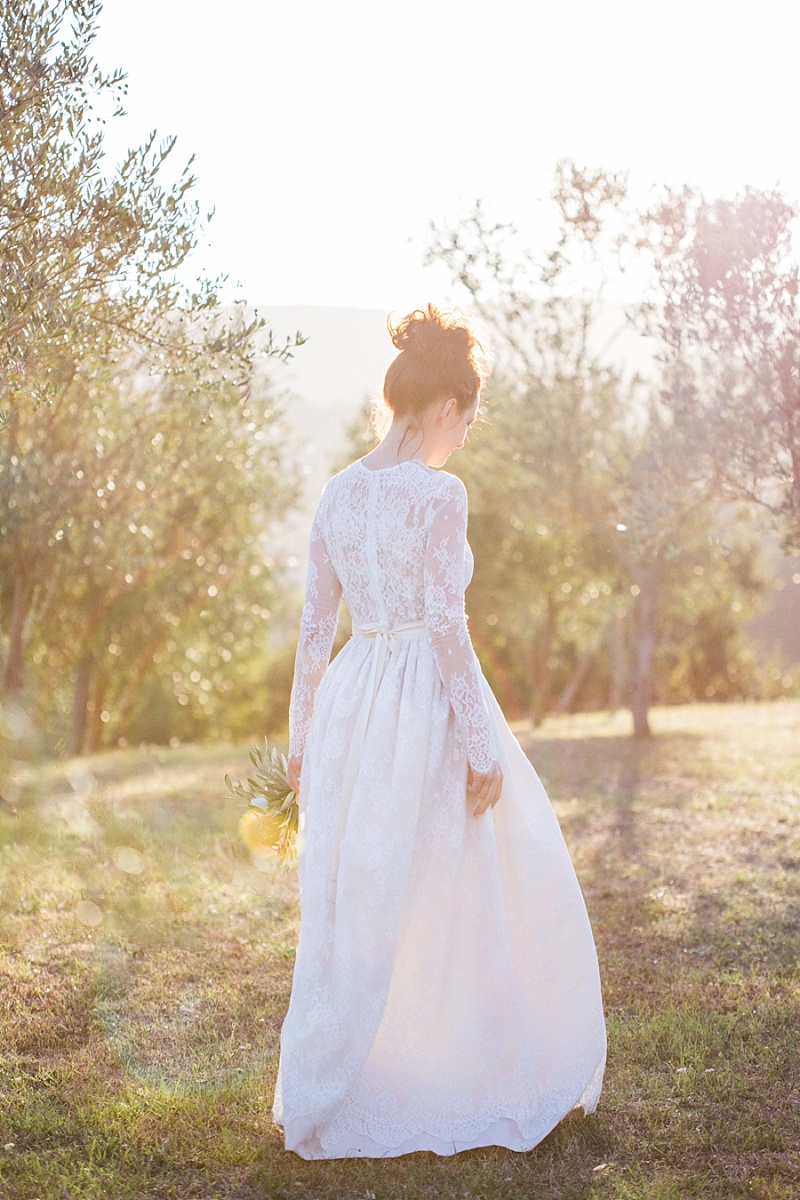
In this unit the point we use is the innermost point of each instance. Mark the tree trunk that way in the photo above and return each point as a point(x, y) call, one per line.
point(540, 669)
point(20, 606)
point(588, 656)
point(647, 635)
point(618, 666)
point(95, 730)
point(80, 701)
point(570, 689)
point(794, 516)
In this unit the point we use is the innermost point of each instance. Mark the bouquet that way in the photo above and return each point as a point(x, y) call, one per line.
point(271, 818)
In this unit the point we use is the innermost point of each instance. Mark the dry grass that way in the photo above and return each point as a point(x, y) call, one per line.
point(137, 1055)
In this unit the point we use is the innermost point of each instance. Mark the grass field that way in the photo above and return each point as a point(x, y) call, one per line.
point(145, 966)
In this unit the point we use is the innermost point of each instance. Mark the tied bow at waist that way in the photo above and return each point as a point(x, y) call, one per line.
point(386, 641)
point(391, 637)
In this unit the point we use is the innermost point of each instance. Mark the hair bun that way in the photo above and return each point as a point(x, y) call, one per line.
point(440, 356)
point(430, 333)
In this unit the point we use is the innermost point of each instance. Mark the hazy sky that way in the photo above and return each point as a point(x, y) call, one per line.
point(329, 134)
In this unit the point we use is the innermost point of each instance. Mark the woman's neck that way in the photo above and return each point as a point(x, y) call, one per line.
point(401, 443)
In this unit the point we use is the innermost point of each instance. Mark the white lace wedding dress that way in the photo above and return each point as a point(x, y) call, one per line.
point(446, 992)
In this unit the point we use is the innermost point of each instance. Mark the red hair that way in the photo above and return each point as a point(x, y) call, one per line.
point(440, 356)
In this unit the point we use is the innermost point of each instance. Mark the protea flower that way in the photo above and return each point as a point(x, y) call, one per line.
point(270, 821)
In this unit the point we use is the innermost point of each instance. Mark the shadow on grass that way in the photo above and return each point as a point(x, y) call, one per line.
point(606, 791)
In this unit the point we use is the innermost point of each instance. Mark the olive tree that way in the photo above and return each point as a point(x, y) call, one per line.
point(600, 460)
point(727, 295)
point(88, 281)
point(104, 351)
point(149, 537)
point(88, 254)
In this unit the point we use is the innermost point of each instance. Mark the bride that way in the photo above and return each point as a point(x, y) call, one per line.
point(446, 992)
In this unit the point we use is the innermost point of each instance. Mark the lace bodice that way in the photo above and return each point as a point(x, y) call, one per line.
point(393, 541)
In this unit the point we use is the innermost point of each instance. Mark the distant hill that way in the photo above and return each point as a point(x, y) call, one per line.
point(325, 384)
point(329, 378)
point(346, 355)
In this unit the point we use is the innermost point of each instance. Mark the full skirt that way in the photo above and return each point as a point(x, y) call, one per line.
point(446, 992)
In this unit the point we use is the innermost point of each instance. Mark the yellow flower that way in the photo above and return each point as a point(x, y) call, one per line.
point(259, 830)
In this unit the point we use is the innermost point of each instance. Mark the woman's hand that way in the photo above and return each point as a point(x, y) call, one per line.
point(293, 765)
point(486, 788)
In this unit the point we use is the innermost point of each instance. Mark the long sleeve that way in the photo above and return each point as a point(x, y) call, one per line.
point(317, 630)
point(446, 622)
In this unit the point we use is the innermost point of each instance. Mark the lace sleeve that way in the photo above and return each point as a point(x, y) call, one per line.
point(446, 621)
point(317, 630)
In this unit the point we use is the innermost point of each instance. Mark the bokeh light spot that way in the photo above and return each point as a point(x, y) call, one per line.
point(89, 913)
point(129, 860)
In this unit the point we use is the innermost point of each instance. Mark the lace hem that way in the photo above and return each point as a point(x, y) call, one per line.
point(354, 1133)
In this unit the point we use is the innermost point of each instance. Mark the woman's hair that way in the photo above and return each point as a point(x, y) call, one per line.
point(440, 356)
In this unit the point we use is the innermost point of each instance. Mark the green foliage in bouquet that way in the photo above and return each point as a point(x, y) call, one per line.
point(272, 814)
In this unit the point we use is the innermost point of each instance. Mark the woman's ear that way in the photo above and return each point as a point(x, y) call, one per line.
point(449, 410)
